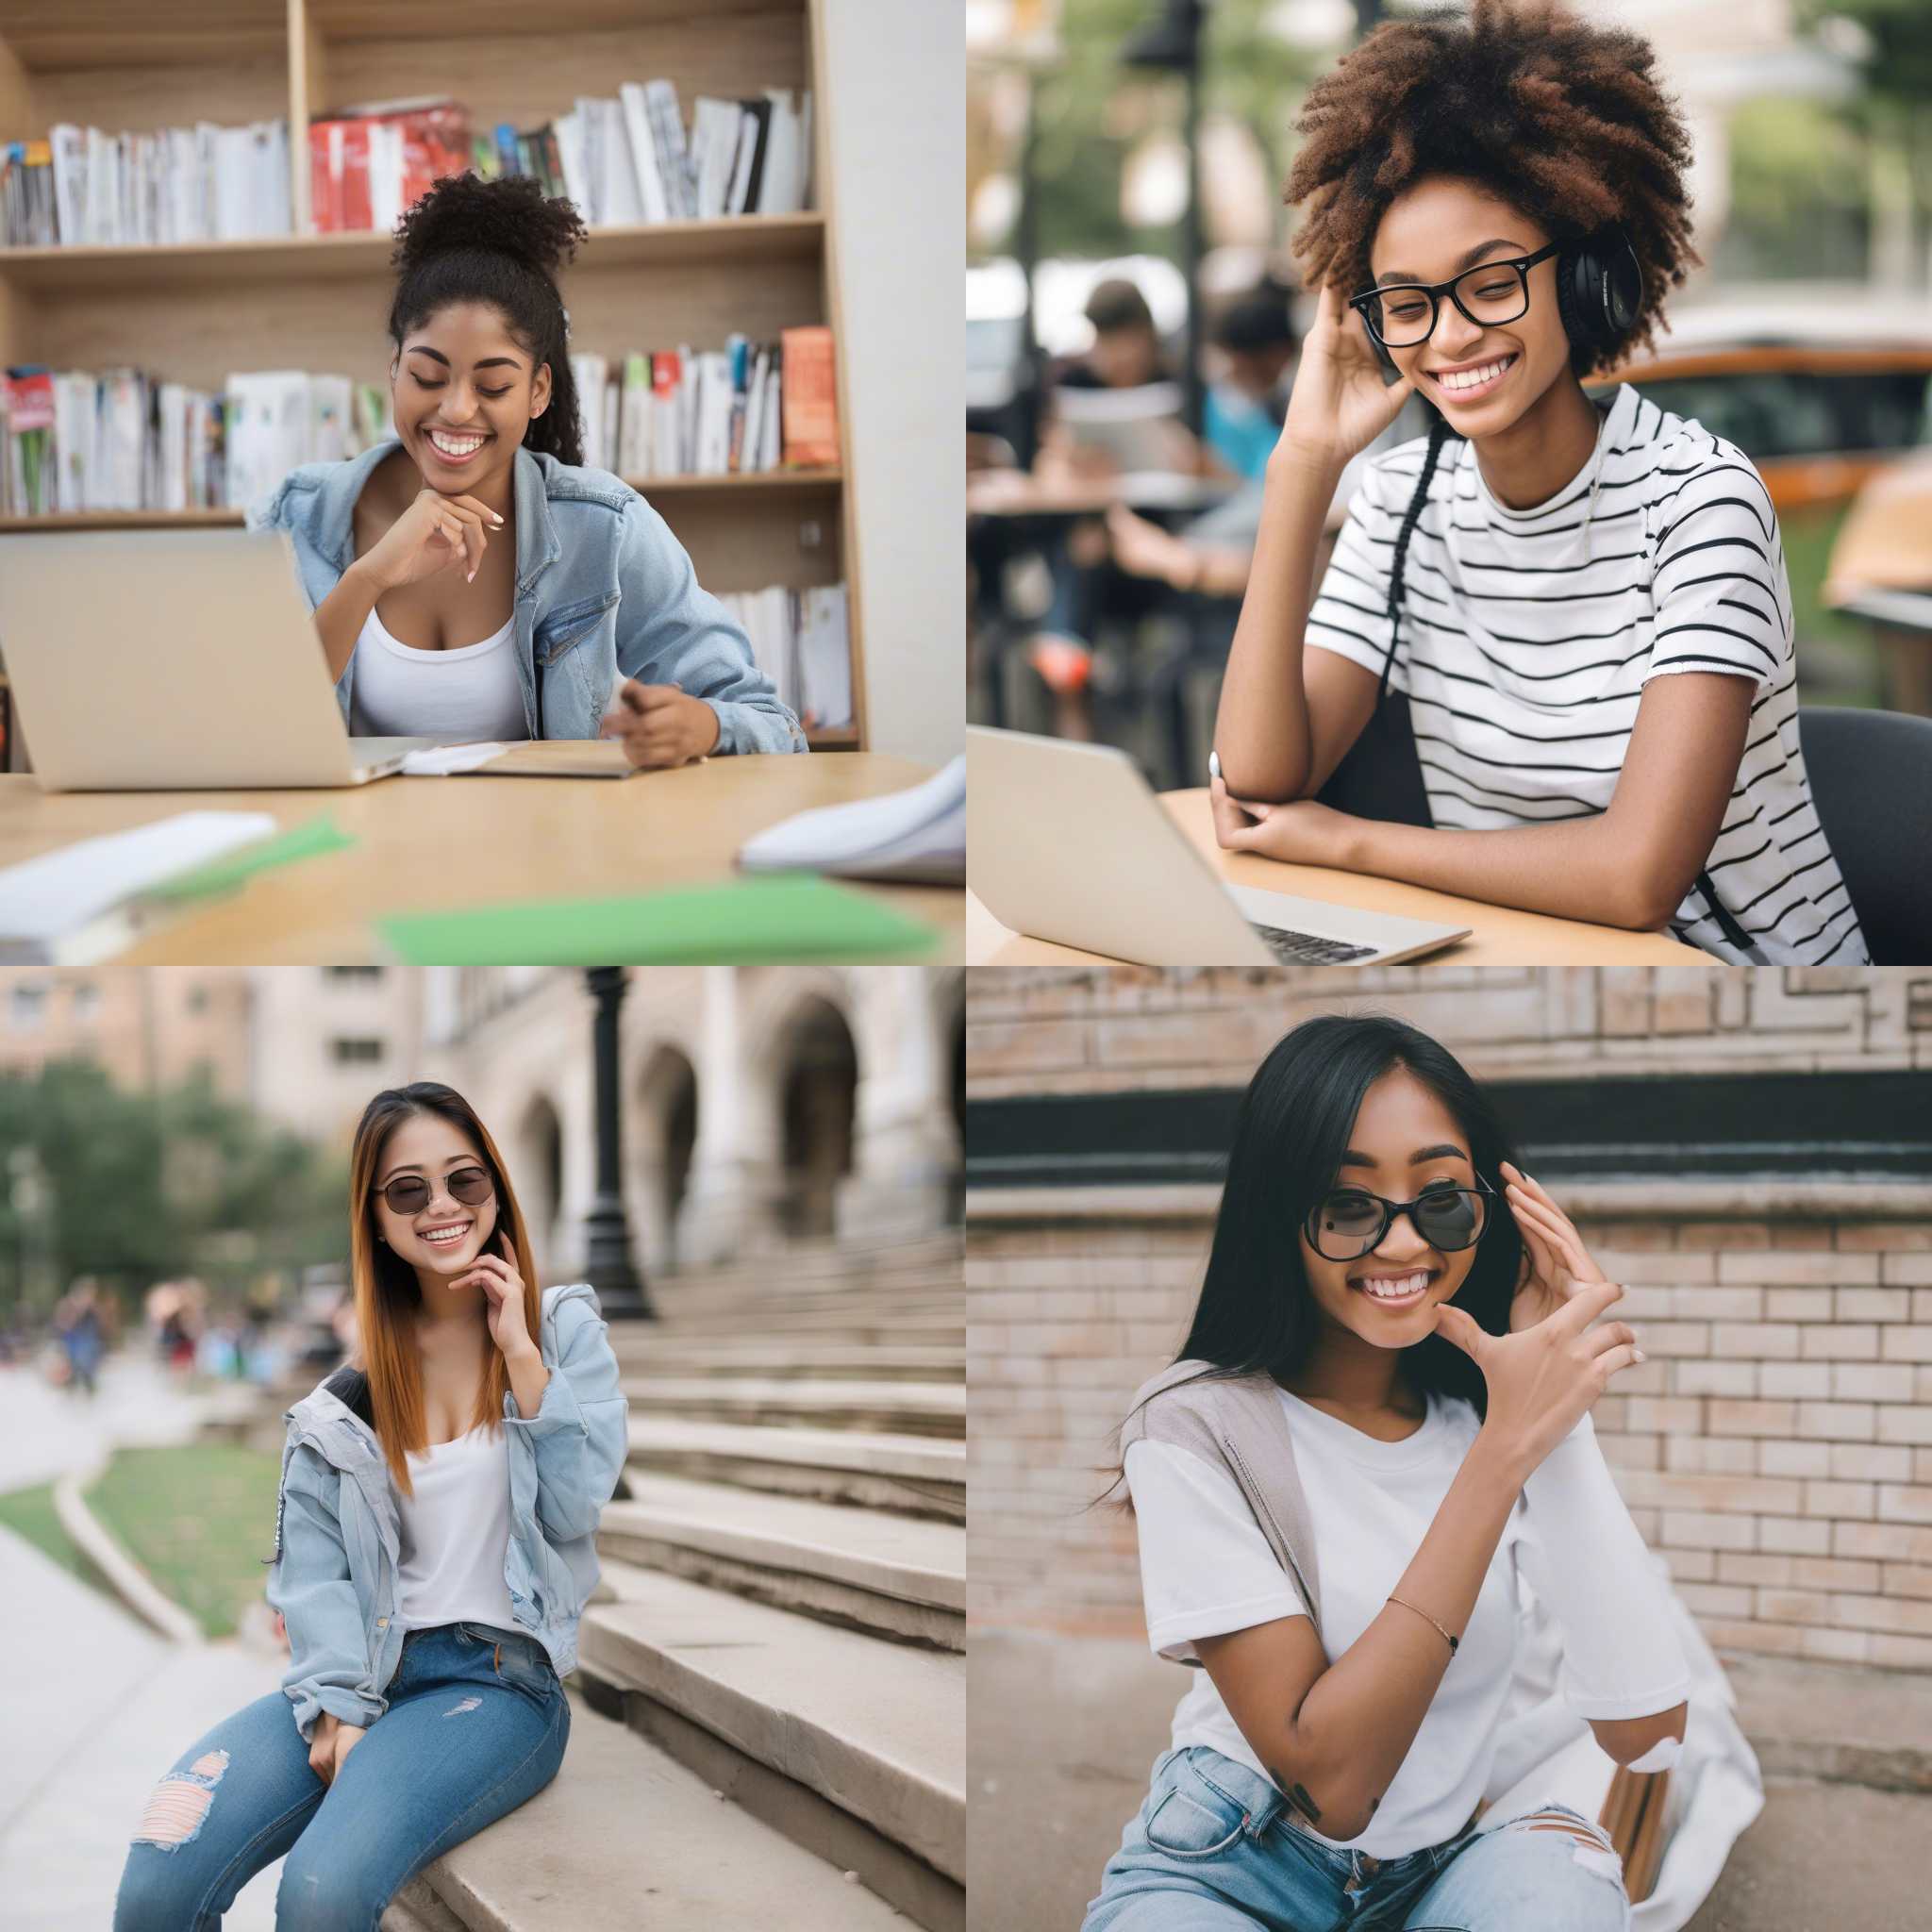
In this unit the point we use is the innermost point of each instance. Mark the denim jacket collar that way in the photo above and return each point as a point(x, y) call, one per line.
point(345, 1440)
point(538, 543)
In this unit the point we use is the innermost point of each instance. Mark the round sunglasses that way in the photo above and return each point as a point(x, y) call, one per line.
point(409, 1193)
point(1348, 1222)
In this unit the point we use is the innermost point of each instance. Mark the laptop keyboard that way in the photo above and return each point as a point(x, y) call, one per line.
point(1305, 949)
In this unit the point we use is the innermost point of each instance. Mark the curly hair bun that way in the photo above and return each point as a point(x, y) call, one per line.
point(1553, 113)
point(510, 215)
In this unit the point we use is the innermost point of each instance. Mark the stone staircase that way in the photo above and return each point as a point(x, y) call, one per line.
point(769, 1721)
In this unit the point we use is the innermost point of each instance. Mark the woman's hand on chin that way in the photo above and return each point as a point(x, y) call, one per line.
point(660, 725)
point(1302, 831)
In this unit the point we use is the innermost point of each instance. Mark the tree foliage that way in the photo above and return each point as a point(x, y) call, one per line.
point(136, 1185)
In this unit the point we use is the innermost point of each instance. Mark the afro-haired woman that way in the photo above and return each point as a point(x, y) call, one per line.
point(1586, 602)
point(471, 579)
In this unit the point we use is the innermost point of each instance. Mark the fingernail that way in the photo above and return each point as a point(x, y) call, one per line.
point(471, 579)
point(494, 518)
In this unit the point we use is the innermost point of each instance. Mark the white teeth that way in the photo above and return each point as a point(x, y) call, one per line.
point(1475, 378)
point(447, 1241)
point(456, 449)
point(1394, 1289)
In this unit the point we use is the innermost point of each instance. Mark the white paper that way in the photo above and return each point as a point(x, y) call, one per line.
point(919, 833)
point(441, 760)
point(58, 893)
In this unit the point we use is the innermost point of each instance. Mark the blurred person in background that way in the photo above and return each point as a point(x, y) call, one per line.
point(1247, 403)
point(78, 1323)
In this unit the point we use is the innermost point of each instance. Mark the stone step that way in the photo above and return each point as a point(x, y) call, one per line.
point(917, 1474)
point(898, 1576)
point(906, 1408)
point(683, 1354)
point(626, 1835)
point(836, 1334)
point(821, 1260)
point(855, 1747)
point(939, 1305)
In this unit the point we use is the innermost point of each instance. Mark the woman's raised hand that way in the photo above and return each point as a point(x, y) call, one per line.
point(1339, 405)
point(433, 533)
point(1543, 1378)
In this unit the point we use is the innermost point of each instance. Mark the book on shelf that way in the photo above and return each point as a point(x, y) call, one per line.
point(621, 160)
point(82, 187)
point(709, 412)
point(800, 640)
point(73, 440)
point(811, 397)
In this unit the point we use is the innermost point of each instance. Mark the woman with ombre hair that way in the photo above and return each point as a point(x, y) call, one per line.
point(435, 1544)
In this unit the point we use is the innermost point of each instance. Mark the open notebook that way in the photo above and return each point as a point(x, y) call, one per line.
point(536, 758)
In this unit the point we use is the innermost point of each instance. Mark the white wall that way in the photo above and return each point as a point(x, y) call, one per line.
point(895, 89)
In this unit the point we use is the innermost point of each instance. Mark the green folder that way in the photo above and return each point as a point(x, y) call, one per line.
point(788, 916)
point(308, 840)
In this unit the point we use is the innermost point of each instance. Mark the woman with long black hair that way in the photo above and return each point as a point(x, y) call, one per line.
point(1585, 602)
point(1381, 1411)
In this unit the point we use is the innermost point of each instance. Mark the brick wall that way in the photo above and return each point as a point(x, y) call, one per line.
point(1777, 1446)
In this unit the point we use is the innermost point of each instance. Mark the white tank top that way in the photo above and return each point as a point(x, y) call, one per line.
point(465, 696)
point(455, 1534)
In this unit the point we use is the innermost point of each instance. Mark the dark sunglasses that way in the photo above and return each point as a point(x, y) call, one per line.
point(1348, 1222)
point(409, 1193)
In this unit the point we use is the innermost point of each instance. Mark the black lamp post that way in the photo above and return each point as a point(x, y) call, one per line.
point(1173, 44)
point(621, 1292)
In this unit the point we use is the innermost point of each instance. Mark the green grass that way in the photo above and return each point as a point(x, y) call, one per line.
point(30, 1514)
point(199, 1517)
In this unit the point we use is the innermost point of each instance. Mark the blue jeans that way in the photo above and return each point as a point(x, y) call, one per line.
point(1215, 1848)
point(477, 1723)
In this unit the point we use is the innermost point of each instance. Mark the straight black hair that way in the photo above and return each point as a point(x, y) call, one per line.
point(1256, 1312)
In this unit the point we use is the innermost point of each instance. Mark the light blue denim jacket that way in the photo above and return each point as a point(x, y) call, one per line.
point(337, 1541)
point(603, 591)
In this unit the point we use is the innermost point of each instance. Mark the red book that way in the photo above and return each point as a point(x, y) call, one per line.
point(359, 212)
point(810, 403)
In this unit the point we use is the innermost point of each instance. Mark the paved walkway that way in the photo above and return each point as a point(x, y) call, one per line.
point(1063, 1731)
point(108, 1705)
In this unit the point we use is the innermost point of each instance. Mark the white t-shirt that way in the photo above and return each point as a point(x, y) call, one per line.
point(455, 1534)
point(1528, 635)
point(1206, 1568)
point(466, 696)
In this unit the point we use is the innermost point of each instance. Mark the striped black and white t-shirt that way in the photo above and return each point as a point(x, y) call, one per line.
point(1528, 635)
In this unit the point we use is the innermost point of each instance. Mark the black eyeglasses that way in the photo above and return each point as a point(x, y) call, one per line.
point(1402, 314)
point(409, 1193)
point(1348, 1222)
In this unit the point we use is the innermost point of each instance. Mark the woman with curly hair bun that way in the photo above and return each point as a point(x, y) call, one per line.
point(1586, 604)
point(471, 579)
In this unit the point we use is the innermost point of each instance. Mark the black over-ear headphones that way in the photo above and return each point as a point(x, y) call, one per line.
point(1599, 289)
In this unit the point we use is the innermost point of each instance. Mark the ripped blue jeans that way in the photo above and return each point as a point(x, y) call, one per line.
point(1216, 1848)
point(477, 1723)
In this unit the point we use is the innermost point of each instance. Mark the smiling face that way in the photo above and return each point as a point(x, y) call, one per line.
point(463, 393)
point(445, 1234)
point(1436, 229)
point(1404, 1138)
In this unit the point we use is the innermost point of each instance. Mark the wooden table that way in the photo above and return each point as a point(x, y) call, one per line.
point(1500, 936)
point(433, 844)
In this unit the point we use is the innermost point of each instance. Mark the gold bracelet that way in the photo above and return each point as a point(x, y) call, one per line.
point(1407, 1606)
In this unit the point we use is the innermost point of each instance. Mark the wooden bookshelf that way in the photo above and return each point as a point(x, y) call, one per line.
point(197, 313)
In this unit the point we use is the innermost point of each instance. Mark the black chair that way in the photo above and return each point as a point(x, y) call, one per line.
point(1872, 784)
point(1379, 776)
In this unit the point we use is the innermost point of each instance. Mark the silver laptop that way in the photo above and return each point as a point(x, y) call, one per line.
point(174, 660)
point(1065, 841)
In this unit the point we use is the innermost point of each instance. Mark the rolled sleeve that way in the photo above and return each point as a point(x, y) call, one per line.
point(579, 1436)
point(329, 1663)
point(672, 631)
point(1586, 1558)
